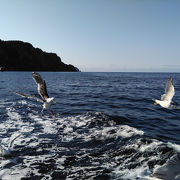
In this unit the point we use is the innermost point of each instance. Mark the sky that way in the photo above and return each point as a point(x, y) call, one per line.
point(99, 35)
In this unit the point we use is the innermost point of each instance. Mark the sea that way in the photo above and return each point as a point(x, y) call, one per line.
point(105, 126)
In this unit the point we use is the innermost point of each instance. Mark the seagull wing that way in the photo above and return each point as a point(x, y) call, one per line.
point(169, 91)
point(12, 141)
point(41, 85)
point(30, 97)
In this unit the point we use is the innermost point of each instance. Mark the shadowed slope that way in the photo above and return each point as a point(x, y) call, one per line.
point(22, 56)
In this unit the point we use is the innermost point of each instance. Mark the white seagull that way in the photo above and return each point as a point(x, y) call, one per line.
point(45, 99)
point(5, 151)
point(166, 99)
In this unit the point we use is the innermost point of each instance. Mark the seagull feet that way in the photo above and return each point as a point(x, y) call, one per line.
point(52, 113)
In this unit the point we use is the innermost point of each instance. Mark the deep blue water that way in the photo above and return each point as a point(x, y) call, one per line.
point(105, 126)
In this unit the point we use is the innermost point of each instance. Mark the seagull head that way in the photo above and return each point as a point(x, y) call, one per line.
point(51, 100)
point(5, 151)
point(155, 101)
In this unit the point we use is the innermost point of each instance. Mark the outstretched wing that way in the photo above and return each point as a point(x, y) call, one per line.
point(169, 91)
point(29, 97)
point(12, 141)
point(41, 85)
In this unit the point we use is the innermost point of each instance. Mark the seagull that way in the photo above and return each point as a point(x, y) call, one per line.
point(45, 99)
point(6, 151)
point(166, 99)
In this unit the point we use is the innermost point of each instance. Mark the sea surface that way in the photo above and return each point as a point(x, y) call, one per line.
point(105, 127)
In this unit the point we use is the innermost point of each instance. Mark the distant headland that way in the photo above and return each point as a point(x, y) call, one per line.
point(22, 56)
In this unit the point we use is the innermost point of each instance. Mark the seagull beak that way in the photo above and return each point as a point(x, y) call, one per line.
point(54, 101)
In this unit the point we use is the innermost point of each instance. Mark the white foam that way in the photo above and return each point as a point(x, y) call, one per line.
point(49, 124)
point(68, 130)
point(150, 147)
point(140, 171)
point(15, 173)
point(23, 102)
point(100, 133)
point(13, 115)
point(127, 131)
point(176, 147)
point(60, 162)
point(71, 128)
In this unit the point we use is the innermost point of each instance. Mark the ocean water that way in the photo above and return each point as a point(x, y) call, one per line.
point(105, 127)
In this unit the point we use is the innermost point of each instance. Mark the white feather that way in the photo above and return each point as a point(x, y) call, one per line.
point(4, 151)
point(166, 98)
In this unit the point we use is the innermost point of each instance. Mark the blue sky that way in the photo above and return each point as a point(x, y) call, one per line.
point(99, 35)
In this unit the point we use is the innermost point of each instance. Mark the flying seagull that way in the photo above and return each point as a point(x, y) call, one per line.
point(5, 151)
point(45, 99)
point(166, 99)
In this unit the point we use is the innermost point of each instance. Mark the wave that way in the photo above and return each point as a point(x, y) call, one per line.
point(170, 170)
point(87, 145)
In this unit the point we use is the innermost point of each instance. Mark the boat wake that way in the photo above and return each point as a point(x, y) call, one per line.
point(82, 146)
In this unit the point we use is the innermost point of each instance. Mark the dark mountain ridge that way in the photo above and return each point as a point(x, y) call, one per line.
point(22, 56)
